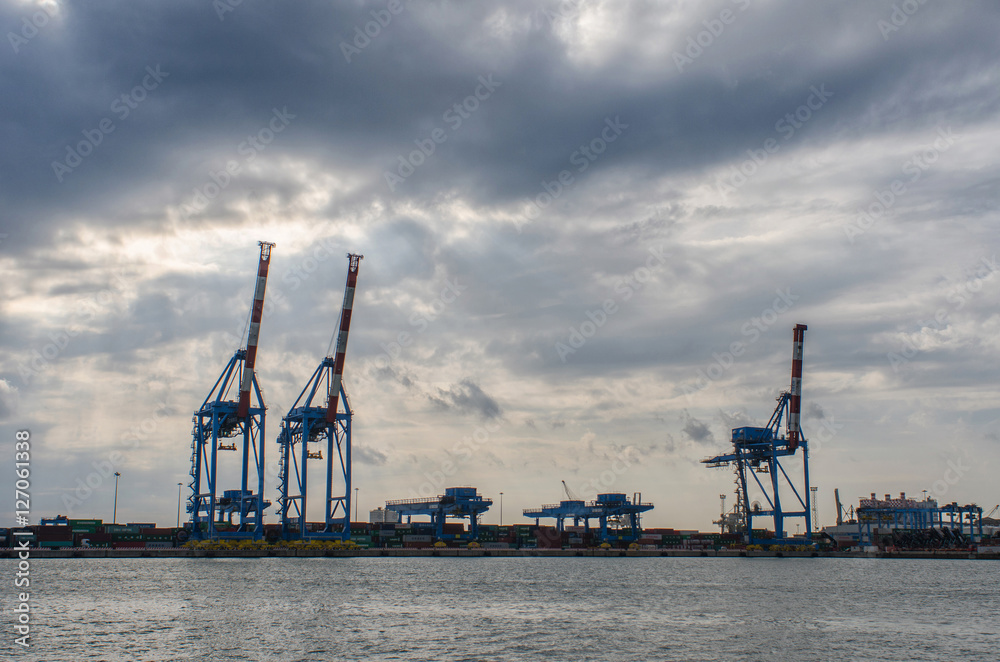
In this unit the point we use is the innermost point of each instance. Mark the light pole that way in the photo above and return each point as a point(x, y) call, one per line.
point(114, 517)
point(815, 508)
point(501, 509)
point(356, 504)
point(179, 505)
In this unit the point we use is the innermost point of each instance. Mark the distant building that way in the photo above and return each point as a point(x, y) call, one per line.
point(383, 516)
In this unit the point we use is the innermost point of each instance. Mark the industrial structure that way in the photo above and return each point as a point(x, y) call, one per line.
point(314, 422)
point(759, 451)
point(908, 522)
point(613, 508)
point(239, 421)
point(317, 428)
point(456, 502)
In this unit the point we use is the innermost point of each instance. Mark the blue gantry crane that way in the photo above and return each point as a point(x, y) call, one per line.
point(458, 502)
point(314, 419)
point(221, 418)
point(759, 451)
point(612, 507)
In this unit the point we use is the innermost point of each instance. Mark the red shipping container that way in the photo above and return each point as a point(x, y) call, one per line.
point(46, 533)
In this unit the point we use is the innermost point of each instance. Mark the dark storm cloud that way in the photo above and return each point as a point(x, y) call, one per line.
point(457, 280)
point(370, 456)
point(224, 78)
point(814, 410)
point(696, 430)
point(467, 397)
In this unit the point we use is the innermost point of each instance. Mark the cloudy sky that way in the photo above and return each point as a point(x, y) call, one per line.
point(589, 228)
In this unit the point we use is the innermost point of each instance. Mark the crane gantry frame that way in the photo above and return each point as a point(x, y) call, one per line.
point(307, 423)
point(220, 418)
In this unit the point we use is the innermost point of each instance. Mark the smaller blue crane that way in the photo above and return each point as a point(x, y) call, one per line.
point(613, 507)
point(457, 502)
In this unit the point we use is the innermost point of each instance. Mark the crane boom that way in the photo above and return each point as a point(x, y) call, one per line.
point(345, 327)
point(255, 316)
point(795, 401)
point(570, 494)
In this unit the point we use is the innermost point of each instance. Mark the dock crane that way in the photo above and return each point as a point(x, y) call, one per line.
point(759, 451)
point(314, 419)
point(220, 418)
point(612, 507)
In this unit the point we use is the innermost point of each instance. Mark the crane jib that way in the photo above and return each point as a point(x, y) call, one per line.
point(336, 380)
point(256, 314)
